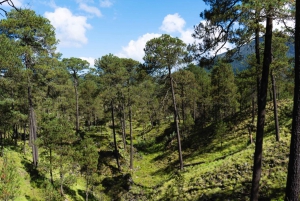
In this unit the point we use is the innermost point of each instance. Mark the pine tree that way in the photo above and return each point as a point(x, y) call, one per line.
point(165, 53)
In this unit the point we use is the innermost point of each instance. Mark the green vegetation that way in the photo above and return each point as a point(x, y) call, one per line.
point(65, 128)
point(217, 165)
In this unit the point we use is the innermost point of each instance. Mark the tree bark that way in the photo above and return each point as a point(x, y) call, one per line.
point(176, 120)
point(116, 152)
point(87, 189)
point(131, 142)
point(262, 110)
point(293, 177)
point(123, 124)
point(24, 143)
point(253, 110)
point(257, 53)
point(32, 129)
point(275, 107)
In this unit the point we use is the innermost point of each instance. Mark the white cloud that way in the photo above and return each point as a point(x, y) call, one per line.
point(106, 3)
point(70, 29)
point(90, 9)
point(16, 3)
point(280, 25)
point(173, 23)
point(186, 36)
point(91, 60)
point(135, 48)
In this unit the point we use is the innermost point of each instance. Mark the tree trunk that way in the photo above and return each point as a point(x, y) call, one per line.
point(176, 121)
point(253, 110)
point(77, 107)
point(16, 134)
point(257, 54)
point(275, 106)
point(61, 185)
point(182, 105)
point(51, 172)
point(131, 142)
point(61, 174)
point(262, 110)
point(116, 152)
point(87, 189)
point(32, 129)
point(24, 144)
point(123, 127)
point(293, 177)
point(1, 144)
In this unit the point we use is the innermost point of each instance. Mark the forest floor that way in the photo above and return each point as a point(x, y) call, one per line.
point(217, 163)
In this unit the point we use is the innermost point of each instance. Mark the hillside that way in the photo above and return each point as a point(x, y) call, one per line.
point(217, 166)
point(240, 64)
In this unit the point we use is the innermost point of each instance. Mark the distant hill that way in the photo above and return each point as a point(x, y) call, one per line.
point(239, 65)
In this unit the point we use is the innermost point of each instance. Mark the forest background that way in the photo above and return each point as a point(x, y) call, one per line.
point(178, 126)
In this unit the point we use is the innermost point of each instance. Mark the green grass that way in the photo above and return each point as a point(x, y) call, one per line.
point(213, 170)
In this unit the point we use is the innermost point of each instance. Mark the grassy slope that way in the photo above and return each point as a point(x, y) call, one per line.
point(212, 171)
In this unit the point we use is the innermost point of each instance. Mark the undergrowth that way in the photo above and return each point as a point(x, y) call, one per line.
point(217, 163)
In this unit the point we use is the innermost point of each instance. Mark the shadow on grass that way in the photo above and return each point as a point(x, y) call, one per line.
point(91, 197)
point(106, 159)
point(71, 193)
point(117, 186)
point(243, 194)
point(36, 179)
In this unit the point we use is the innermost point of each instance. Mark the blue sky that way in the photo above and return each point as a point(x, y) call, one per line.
point(90, 29)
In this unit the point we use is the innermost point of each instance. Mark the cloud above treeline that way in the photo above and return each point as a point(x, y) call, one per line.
point(90, 9)
point(106, 3)
point(171, 24)
point(70, 29)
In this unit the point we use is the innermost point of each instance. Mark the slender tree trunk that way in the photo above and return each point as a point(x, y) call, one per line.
point(32, 129)
point(51, 173)
point(257, 54)
point(253, 110)
point(123, 127)
point(77, 107)
point(194, 110)
point(124, 121)
point(262, 110)
point(176, 120)
point(87, 189)
point(116, 152)
point(61, 174)
point(61, 185)
point(182, 105)
point(293, 177)
point(131, 141)
point(16, 134)
point(275, 106)
point(1, 144)
point(24, 144)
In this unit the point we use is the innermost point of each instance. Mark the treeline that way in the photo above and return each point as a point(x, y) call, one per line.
point(53, 102)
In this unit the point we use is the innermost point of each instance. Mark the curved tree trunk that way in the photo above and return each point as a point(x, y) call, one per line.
point(293, 178)
point(176, 120)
